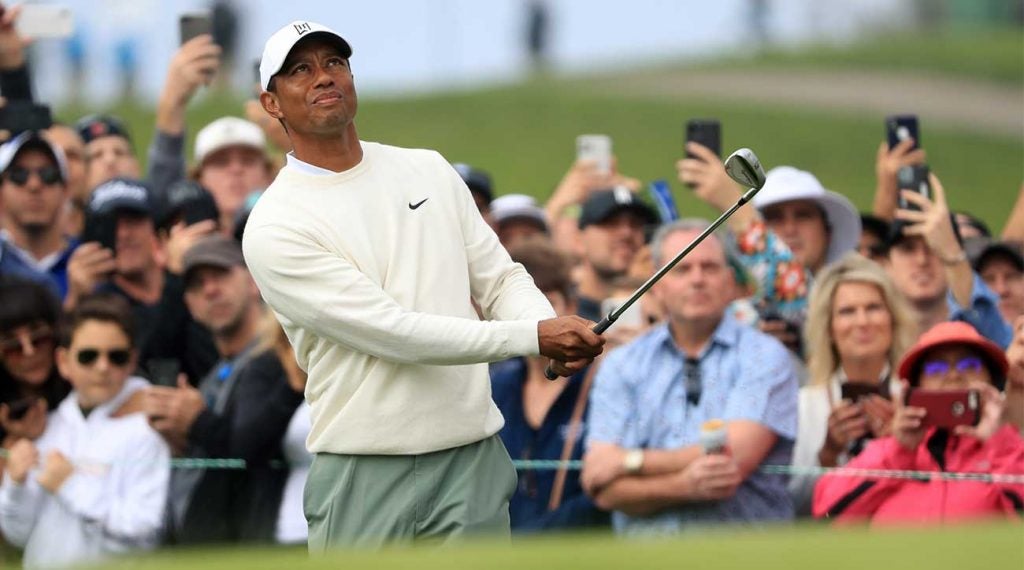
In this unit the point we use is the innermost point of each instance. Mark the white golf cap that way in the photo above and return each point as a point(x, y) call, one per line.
point(281, 43)
point(225, 132)
point(518, 206)
point(785, 184)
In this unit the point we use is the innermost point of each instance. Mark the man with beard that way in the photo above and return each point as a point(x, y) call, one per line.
point(33, 192)
point(134, 268)
point(611, 234)
point(241, 408)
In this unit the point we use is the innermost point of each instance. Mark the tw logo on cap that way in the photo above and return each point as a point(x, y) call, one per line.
point(301, 28)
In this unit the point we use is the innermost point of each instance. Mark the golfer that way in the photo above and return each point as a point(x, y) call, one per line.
point(370, 255)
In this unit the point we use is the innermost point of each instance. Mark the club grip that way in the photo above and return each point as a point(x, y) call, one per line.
point(598, 329)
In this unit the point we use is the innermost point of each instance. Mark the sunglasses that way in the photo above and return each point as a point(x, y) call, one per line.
point(39, 339)
point(19, 175)
point(941, 367)
point(118, 357)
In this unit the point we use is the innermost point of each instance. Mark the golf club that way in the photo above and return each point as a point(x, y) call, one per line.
point(743, 167)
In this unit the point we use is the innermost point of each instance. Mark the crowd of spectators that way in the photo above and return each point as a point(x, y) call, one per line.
point(132, 333)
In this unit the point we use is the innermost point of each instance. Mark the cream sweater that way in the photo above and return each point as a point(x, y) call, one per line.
point(371, 271)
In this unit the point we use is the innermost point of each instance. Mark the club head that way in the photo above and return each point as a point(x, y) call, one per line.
point(744, 167)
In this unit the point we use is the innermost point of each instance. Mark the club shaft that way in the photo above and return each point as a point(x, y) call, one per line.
point(614, 315)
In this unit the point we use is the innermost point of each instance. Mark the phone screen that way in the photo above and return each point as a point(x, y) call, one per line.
point(194, 24)
point(597, 149)
point(901, 127)
point(914, 178)
point(45, 21)
point(101, 228)
point(707, 132)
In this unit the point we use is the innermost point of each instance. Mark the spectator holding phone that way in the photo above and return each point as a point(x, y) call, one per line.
point(858, 326)
point(123, 255)
point(950, 356)
point(241, 408)
point(94, 484)
point(30, 384)
point(931, 268)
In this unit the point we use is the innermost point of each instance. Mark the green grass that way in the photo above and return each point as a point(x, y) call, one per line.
point(524, 134)
point(993, 547)
point(989, 54)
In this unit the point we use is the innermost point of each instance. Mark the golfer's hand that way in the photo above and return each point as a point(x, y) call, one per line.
point(569, 339)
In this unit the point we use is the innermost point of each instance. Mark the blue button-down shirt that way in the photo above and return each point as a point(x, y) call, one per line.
point(639, 401)
point(983, 314)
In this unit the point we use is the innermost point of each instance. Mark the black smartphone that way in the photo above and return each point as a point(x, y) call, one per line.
point(163, 371)
point(17, 409)
point(102, 229)
point(854, 391)
point(900, 127)
point(707, 132)
point(914, 178)
point(194, 24)
point(18, 116)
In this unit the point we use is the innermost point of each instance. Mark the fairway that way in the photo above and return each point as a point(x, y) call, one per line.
point(993, 547)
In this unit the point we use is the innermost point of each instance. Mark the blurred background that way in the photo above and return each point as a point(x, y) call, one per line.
point(506, 85)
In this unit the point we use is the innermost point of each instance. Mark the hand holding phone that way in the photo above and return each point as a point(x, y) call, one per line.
point(18, 116)
point(913, 178)
point(856, 391)
point(946, 408)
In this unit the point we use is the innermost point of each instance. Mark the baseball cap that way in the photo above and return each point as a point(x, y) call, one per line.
point(31, 140)
point(981, 249)
point(477, 180)
point(225, 132)
point(518, 207)
point(121, 194)
point(277, 48)
point(785, 184)
point(215, 250)
point(953, 332)
point(604, 204)
point(189, 202)
point(92, 127)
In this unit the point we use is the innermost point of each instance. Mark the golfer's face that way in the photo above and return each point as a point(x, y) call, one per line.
point(314, 91)
point(700, 286)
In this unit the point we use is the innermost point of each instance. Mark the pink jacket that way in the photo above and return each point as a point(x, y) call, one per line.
point(887, 500)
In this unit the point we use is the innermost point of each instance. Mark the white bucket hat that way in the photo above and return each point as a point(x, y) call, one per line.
point(518, 206)
point(785, 184)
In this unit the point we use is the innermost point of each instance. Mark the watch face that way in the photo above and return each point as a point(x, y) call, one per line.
point(633, 461)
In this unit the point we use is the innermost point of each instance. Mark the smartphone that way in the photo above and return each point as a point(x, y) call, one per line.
point(101, 228)
point(597, 149)
point(707, 132)
point(902, 127)
point(18, 116)
point(17, 409)
point(854, 391)
point(163, 371)
point(913, 177)
point(633, 317)
point(192, 24)
point(947, 408)
point(45, 21)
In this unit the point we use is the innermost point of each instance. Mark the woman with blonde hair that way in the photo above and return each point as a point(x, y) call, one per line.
point(858, 326)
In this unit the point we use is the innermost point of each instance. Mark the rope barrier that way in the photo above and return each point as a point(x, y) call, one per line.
point(575, 465)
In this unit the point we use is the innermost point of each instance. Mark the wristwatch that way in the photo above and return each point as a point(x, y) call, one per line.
point(633, 462)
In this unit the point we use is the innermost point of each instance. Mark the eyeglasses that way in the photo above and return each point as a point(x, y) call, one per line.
point(941, 367)
point(692, 380)
point(118, 357)
point(19, 175)
point(39, 339)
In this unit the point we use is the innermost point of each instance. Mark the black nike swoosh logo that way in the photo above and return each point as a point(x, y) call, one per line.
point(417, 204)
